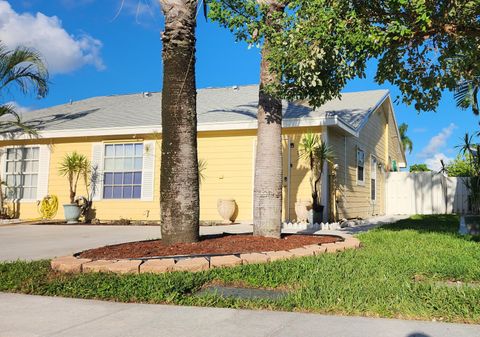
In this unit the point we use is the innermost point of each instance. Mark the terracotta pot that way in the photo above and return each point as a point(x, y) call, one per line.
point(226, 209)
point(302, 209)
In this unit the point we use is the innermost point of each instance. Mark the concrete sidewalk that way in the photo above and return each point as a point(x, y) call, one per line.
point(24, 315)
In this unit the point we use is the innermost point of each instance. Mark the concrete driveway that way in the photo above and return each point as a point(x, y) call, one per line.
point(34, 242)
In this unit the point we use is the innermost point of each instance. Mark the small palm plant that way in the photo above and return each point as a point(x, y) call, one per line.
point(316, 152)
point(74, 166)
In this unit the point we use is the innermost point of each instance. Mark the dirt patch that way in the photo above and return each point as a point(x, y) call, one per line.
point(215, 245)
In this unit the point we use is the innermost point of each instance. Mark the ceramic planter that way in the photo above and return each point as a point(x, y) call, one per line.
point(226, 209)
point(72, 213)
point(302, 209)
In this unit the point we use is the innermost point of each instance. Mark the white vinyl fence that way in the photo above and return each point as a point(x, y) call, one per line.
point(425, 193)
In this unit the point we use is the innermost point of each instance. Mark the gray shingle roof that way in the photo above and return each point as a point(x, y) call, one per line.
point(214, 105)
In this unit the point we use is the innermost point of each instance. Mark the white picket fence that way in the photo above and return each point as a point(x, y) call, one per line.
point(425, 193)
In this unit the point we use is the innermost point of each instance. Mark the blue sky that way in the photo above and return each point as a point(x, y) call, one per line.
point(94, 48)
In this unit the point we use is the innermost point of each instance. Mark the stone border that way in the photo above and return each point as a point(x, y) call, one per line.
point(72, 264)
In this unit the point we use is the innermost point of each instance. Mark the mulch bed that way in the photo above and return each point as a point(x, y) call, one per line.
point(215, 245)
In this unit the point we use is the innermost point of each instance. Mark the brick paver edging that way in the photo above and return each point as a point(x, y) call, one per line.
point(72, 264)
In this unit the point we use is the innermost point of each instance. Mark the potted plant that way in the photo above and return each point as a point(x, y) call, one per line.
point(316, 153)
point(74, 166)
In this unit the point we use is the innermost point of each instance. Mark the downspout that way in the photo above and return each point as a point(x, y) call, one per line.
point(289, 173)
point(345, 161)
point(325, 179)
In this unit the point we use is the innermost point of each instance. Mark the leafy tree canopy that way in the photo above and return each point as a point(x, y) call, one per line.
point(422, 46)
point(419, 168)
point(318, 50)
point(460, 167)
point(426, 45)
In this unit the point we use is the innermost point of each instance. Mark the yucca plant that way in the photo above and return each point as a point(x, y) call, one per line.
point(202, 166)
point(74, 166)
point(316, 152)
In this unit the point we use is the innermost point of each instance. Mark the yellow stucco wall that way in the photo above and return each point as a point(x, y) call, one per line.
point(229, 157)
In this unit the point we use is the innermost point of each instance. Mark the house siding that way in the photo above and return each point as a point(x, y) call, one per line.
point(378, 138)
point(229, 157)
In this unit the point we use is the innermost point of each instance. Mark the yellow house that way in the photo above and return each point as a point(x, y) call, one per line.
point(121, 134)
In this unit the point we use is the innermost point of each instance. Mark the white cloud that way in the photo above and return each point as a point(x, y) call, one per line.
point(62, 51)
point(437, 142)
point(434, 161)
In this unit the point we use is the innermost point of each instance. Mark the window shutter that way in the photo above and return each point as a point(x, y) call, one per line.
point(43, 171)
point(148, 171)
point(97, 165)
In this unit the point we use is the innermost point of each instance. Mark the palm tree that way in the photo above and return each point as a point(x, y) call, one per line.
point(22, 68)
point(466, 95)
point(407, 143)
point(179, 182)
point(267, 195)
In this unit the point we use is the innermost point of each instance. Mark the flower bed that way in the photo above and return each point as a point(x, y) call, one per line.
point(114, 259)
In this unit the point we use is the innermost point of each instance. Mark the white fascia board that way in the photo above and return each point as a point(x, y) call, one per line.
point(217, 126)
point(379, 103)
point(404, 163)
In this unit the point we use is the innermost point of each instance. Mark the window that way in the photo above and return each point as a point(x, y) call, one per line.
point(122, 178)
point(373, 179)
point(360, 167)
point(21, 173)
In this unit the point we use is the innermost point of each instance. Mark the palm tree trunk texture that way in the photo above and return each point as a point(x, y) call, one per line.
point(267, 198)
point(179, 185)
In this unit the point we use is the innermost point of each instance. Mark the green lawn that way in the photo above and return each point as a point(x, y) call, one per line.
point(398, 273)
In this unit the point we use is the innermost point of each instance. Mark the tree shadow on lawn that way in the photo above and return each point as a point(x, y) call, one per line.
point(439, 223)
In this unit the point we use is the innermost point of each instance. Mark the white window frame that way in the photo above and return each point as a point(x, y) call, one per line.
point(103, 157)
point(373, 176)
point(360, 182)
point(4, 168)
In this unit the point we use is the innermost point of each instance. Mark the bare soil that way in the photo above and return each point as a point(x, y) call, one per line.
point(208, 245)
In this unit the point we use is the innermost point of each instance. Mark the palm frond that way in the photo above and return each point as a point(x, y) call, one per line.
point(25, 68)
point(466, 96)
point(10, 119)
point(308, 145)
point(407, 143)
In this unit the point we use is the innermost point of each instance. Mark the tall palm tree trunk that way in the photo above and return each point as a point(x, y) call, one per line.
point(267, 198)
point(179, 190)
